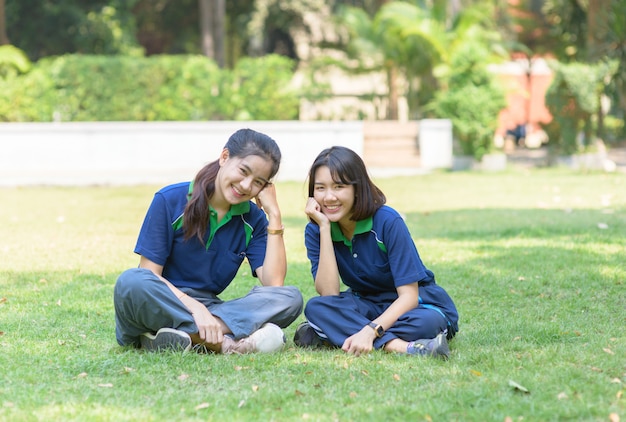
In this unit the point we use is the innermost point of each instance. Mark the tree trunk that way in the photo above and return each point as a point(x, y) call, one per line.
point(212, 16)
point(206, 33)
point(392, 82)
point(597, 24)
point(4, 39)
point(597, 28)
point(218, 31)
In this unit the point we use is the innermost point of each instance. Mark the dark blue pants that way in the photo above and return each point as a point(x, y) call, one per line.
point(339, 317)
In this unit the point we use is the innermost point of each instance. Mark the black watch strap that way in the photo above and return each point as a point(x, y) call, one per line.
point(378, 329)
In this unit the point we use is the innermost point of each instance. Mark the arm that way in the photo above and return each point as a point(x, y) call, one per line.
point(363, 341)
point(274, 268)
point(327, 280)
point(210, 329)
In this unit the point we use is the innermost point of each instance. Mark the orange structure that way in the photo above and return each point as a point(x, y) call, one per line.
point(526, 82)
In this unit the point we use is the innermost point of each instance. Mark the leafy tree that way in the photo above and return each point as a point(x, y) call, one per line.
point(401, 40)
point(572, 98)
point(411, 44)
point(471, 99)
point(47, 27)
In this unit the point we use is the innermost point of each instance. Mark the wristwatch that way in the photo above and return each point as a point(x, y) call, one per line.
point(378, 329)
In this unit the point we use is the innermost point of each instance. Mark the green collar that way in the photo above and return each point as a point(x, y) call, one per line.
point(362, 226)
point(237, 209)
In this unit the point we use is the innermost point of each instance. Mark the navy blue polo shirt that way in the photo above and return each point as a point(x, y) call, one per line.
point(212, 264)
point(380, 257)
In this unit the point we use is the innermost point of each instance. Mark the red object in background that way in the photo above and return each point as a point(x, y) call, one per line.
point(526, 82)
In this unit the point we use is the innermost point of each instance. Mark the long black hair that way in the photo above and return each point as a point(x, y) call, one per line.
point(243, 143)
point(347, 168)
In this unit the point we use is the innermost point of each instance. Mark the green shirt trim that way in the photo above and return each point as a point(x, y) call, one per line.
point(236, 209)
point(362, 226)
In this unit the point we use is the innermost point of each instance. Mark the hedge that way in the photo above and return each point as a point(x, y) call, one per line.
point(155, 88)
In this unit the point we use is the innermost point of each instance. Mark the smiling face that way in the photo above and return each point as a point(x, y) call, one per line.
point(241, 178)
point(335, 198)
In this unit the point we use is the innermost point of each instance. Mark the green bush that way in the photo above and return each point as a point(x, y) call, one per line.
point(13, 61)
point(472, 101)
point(261, 88)
point(156, 88)
point(614, 130)
point(573, 98)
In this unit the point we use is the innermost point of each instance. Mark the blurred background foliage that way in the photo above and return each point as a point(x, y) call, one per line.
point(92, 60)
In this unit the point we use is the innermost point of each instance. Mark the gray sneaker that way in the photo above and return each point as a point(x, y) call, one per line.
point(166, 339)
point(437, 347)
point(267, 339)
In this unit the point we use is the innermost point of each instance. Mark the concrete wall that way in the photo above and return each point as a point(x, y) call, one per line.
point(128, 153)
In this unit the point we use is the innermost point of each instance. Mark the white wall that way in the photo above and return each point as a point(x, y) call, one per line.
point(128, 153)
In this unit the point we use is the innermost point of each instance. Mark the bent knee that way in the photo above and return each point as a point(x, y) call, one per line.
point(132, 280)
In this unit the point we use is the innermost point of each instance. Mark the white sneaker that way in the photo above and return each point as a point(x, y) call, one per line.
point(267, 339)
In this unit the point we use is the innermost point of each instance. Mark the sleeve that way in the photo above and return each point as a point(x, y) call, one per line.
point(404, 260)
point(312, 243)
point(255, 252)
point(156, 234)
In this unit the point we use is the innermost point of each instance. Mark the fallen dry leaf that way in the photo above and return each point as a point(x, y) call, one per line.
point(518, 387)
point(477, 373)
point(364, 372)
point(82, 375)
point(255, 388)
point(3, 299)
point(561, 396)
point(396, 377)
point(299, 393)
point(183, 377)
point(202, 406)
point(107, 385)
point(614, 417)
point(607, 350)
point(353, 394)
point(241, 403)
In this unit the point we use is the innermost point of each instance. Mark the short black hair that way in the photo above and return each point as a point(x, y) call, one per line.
point(347, 167)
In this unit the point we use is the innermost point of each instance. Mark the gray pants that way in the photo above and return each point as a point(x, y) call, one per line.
point(143, 303)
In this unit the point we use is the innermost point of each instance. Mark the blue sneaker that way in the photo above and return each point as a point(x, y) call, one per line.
point(436, 347)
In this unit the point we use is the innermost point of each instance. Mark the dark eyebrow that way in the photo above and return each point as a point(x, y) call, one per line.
point(249, 170)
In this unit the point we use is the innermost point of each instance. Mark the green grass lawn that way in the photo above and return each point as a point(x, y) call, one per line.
point(535, 260)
